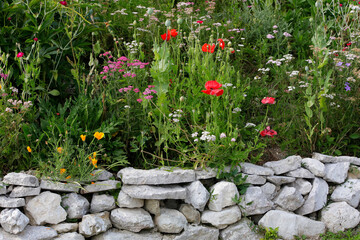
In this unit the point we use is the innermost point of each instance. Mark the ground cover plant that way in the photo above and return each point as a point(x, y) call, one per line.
point(89, 84)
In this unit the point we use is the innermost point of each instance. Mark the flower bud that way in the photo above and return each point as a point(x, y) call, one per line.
point(229, 44)
point(134, 23)
point(306, 68)
point(150, 11)
point(167, 23)
point(180, 21)
point(182, 98)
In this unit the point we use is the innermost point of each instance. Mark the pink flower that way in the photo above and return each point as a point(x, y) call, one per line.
point(136, 90)
point(139, 100)
point(35, 39)
point(268, 132)
point(200, 22)
point(268, 100)
point(64, 3)
point(20, 54)
point(104, 77)
point(149, 97)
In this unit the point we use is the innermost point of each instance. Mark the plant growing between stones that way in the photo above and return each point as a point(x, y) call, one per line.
point(271, 233)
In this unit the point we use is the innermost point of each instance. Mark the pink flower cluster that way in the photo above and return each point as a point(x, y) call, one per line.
point(129, 88)
point(148, 93)
point(3, 75)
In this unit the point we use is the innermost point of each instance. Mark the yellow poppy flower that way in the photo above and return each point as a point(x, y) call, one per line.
point(99, 135)
point(83, 137)
point(62, 170)
point(94, 162)
point(68, 177)
point(29, 149)
point(59, 149)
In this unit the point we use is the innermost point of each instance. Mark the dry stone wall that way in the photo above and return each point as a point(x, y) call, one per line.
point(292, 195)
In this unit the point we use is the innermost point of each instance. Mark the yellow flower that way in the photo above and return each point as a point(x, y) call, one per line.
point(62, 170)
point(68, 177)
point(94, 154)
point(94, 162)
point(83, 137)
point(29, 149)
point(59, 149)
point(99, 135)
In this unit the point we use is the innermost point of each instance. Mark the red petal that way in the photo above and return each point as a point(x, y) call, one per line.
point(173, 33)
point(212, 85)
point(221, 43)
point(217, 92)
point(204, 48)
point(208, 91)
point(212, 48)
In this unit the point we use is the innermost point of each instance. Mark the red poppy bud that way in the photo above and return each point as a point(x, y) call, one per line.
point(64, 3)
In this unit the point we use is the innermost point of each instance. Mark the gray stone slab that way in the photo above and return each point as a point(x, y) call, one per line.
point(6, 202)
point(115, 234)
point(205, 173)
point(101, 186)
point(336, 172)
point(59, 186)
point(30, 233)
point(22, 191)
point(155, 192)
point(279, 180)
point(331, 159)
point(253, 169)
point(285, 165)
point(21, 179)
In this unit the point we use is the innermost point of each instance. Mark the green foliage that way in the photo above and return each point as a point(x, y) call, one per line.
point(237, 178)
point(271, 234)
point(347, 235)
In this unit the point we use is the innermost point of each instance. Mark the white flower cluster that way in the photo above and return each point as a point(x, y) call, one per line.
point(351, 79)
point(122, 12)
point(263, 70)
point(176, 115)
point(350, 56)
point(294, 73)
point(303, 84)
point(331, 95)
point(236, 110)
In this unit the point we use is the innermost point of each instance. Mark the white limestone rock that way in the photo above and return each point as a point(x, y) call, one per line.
point(59, 186)
point(205, 173)
point(290, 224)
point(65, 227)
point(155, 192)
point(45, 208)
point(101, 186)
point(6, 202)
point(340, 216)
point(190, 213)
point(101, 203)
point(94, 224)
point(348, 192)
point(2, 188)
point(155, 176)
point(131, 219)
point(301, 185)
point(240, 230)
point(223, 193)
point(314, 166)
point(30, 233)
point(102, 175)
point(21, 179)
point(255, 179)
point(223, 218)
point(170, 221)
point(289, 198)
point(115, 234)
point(336, 172)
point(330, 159)
point(126, 201)
point(286, 165)
point(76, 205)
point(300, 173)
point(152, 206)
point(279, 180)
point(253, 169)
point(70, 236)
point(13, 220)
point(270, 190)
point(192, 232)
point(197, 195)
point(22, 191)
point(255, 202)
point(317, 197)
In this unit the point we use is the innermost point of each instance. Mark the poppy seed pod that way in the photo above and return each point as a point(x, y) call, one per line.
point(182, 98)
point(150, 11)
point(306, 68)
point(229, 44)
point(180, 21)
point(167, 23)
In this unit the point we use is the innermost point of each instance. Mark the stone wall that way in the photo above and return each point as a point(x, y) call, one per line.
point(292, 194)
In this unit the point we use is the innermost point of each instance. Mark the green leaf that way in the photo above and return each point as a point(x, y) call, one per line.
point(54, 92)
point(355, 136)
point(337, 152)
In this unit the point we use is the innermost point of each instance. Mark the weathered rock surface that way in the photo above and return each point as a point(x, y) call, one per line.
point(155, 192)
point(255, 202)
point(152, 206)
point(115, 234)
point(134, 219)
point(197, 195)
point(314, 166)
point(22, 191)
point(340, 216)
point(126, 201)
point(170, 221)
point(317, 197)
point(301, 185)
point(253, 169)
point(205, 173)
point(21, 179)
point(286, 165)
point(30, 232)
point(101, 186)
point(94, 224)
point(289, 198)
point(76, 205)
point(190, 213)
point(199, 233)
point(70, 236)
point(6, 202)
point(2, 188)
point(155, 176)
point(45, 208)
point(102, 202)
point(13, 220)
point(330, 159)
point(255, 179)
point(59, 186)
point(223, 218)
point(223, 193)
point(279, 180)
point(240, 230)
point(300, 173)
point(65, 227)
point(102, 175)
point(348, 192)
point(270, 190)
point(290, 224)
point(336, 172)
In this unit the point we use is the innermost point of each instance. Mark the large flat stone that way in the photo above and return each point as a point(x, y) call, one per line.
point(22, 191)
point(101, 186)
point(330, 159)
point(336, 172)
point(115, 234)
point(255, 202)
point(192, 232)
point(240, 231)
point(290, 224)
point(253, 169)
point(255, 179)
point(205, 173)
point(59, 186)
point(21, 179)
point(94, 224)
point(197, 195)
point(314, 166)
point(340, 216)
point(348, 192)
point(6, 202)
point(223, 218)
point(279, 180)
point(134, 219)
point(170, 221)
point(30, 233)
point(155, 192)
point(300, 173)
point(155, 176)
point(286, 165)
point(289, 198)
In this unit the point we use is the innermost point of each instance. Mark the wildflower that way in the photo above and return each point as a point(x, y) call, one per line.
point(173, 33)
point(170, 33)
point(35, 39)
point(64, 3)
point(8, 110)
point(194, 134)
point(99, 135)
point(29, 149)
point(59, 149)
point(269, 36)
point(62, 170)
point(249, 125)
point(268, 132)
point(208, 48)
point(347, 87)
point(83, 137)
point(94, 162)
point(20, 54)
point(92, 183)
point(199, 22)
point(222, 135)
point(287, 34)
point(275, 27)
point(212, 88)
point(139, 100)
point(268, 100)
point(68, 177)
point(233, 140)
point(221, 43)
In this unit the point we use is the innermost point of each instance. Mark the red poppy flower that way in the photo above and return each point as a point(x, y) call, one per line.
point(63, 3)
point(20, 54)
point(268, 100)
point(208, 48)
point(212, 88)
point(200, 22)
point(221, 43)
point(166, 36)
point(36, 39)
point(268, 132)
point(173, 33)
